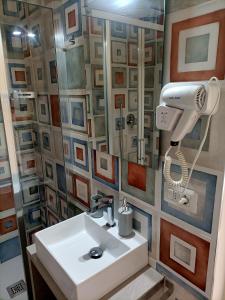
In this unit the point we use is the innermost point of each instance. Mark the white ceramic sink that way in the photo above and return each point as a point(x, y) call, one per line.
point(63, 249)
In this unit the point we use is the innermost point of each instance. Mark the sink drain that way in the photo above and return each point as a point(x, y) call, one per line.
point(95, 252)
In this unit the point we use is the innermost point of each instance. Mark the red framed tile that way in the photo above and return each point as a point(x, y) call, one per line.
point(119, 77)
point(6, 198)
point(31, 164)
point(72, 19)
point(219, 70)
point(198, 277)
point(137, 176)
point(79, 153)
point(8, 224)
point(20, 76)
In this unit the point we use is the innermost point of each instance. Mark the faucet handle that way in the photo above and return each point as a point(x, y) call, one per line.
point(108, 199)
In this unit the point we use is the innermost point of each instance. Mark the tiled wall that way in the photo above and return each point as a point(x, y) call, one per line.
point(193, 51)
point(182, 240)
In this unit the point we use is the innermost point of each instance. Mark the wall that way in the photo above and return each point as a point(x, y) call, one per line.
point(182, 241)
point(211, 161)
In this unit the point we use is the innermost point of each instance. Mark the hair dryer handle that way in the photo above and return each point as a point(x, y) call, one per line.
point(185, 125)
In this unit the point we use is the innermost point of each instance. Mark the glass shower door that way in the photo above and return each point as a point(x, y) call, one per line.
point(32, 176)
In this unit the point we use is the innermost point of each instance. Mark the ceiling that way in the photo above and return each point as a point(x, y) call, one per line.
point(175, 5)
point(131, 8)
point(45, 3)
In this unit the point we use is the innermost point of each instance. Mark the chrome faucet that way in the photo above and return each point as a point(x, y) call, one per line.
point(104, 201)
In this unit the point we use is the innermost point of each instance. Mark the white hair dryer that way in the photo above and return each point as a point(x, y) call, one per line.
point(181, 105)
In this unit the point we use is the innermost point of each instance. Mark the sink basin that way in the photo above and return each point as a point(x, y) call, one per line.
point(64, 251)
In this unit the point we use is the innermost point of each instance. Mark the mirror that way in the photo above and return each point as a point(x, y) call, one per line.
point(128, 54)
point(122, 50)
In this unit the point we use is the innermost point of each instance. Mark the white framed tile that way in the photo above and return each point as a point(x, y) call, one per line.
point(183, 253)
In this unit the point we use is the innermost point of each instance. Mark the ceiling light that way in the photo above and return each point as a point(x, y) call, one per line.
point(17, 32)
point(31, 34)
point(123, 3)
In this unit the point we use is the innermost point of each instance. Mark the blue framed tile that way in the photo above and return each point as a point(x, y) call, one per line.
point(204, 216)
point(78, 114)
point(9, 249)
point(47, 143)
point(142, 222)
point(118, 29)
point(17, 74)
point(5, 173)
point(30, 189)
point(49, 167)
point(194, 138)
point(24, 137)
point(53, 71)
point(61, 178)
point(80, 153)
point(71, 19)
point(98, 102)
point(10, 8)
point(179, 281)
point(32, 215)
point(43, 109)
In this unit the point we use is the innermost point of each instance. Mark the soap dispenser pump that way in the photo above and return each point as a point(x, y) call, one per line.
point(125, 219)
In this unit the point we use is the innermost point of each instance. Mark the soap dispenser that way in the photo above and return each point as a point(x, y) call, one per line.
point(125, 219)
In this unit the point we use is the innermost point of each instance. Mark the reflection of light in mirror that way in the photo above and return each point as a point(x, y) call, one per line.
point(17, 32)
point(31, 35)
point(123, 3)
